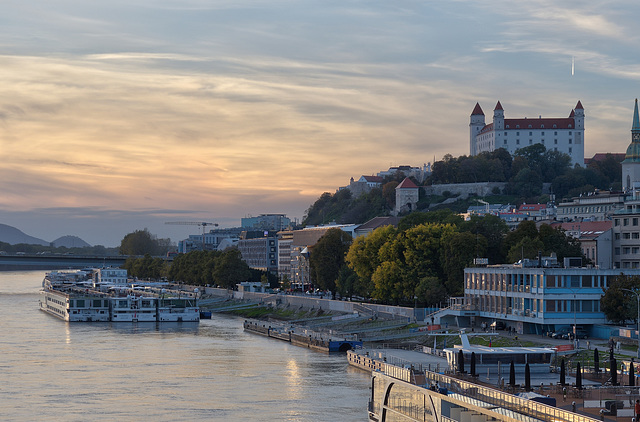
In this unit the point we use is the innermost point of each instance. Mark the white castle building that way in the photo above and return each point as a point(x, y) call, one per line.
point(556, 134)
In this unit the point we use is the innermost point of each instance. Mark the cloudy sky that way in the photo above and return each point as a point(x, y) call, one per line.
point(121, 115)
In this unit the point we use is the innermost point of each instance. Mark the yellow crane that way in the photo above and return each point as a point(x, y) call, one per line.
point(194, 223)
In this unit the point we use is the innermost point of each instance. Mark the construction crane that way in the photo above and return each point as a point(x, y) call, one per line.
point(194, 223)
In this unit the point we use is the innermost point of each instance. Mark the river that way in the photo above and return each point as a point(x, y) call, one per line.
point(53, 370)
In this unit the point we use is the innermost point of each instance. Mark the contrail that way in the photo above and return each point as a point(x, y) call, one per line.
point(573, 65)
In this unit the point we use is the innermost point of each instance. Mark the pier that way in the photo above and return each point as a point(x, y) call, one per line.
point(304, 338)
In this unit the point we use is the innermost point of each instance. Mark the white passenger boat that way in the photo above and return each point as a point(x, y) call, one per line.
point(134, 308)
point(75, 304)
point(175, 309)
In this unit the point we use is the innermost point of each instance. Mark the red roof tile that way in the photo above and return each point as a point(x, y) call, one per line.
point(407, 184)
point(477, 110)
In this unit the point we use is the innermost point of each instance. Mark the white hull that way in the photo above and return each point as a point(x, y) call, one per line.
point(182, 315)
point(133, 316)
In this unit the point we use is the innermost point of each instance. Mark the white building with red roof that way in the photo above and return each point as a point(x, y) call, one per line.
point(556, 134)
point(407, 195)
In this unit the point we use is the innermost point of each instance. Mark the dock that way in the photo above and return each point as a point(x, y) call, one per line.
point(303, 338)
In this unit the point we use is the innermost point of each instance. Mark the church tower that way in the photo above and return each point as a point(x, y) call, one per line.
point(631, 163)
point(475, 126)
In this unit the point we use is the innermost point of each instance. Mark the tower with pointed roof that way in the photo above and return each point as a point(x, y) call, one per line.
point(475, 126)
point(556, 134)
point(631, 163)
point(407, 195)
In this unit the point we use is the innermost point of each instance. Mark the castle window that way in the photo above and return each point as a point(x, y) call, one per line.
point(505, 134)
point(543, 141)
point(505, 142)
point(542, 133)
point(555, 141)
point(569, 140)
point(530, 126)
point(507, 126)
point(517, 133)
point(555, 126)
point(530, 141)
point(569, 131)
point(517, 126)
point(517, 141)
point(555, 133)
point(569, 150)
point(569, 128)
point(530, 133)
point(542, 127)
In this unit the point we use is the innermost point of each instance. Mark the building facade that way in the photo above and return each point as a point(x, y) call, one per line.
point(535, 300)
point(259, 250)
point(275, 222)
point(594, 206)
point(556, 134)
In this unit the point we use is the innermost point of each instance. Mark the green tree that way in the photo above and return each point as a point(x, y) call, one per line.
point(430, 291)
point(230, 269)
point(327, 257)
point(348, 283)
point(141, 242)
point(494, 230)
point(526, 248)
point(459, 251)
point(364, 254)
point(619, 305)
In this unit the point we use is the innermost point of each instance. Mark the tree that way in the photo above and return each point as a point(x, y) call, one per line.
point(230, 269)
point(620, 305)
point(430, 291)
point(459, 251)
point(327, 258)
point(142, 242)
point(526, 248)
point(364, 254)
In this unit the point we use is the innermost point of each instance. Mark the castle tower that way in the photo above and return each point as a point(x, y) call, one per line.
point(579, 116)
point(407, 196)
point(498, 117)
point(631, 163)
point(475, 126)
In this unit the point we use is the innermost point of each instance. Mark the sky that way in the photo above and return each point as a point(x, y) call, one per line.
point(123, 115)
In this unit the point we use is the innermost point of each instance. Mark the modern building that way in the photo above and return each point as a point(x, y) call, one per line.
point(214, 240)
point(556, 134)
point(299, 244)
point(533, 298)
point(259, 249)
point(593, 206)
point(271, 222)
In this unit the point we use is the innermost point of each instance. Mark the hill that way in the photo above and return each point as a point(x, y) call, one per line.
point(70, 242)
point(13, 236)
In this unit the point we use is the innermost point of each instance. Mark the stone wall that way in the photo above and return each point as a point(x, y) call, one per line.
point(465, 189)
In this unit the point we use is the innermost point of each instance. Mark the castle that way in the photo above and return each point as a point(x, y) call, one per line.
point(556, 134)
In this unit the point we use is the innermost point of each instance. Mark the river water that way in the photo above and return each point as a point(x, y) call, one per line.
point(52, 370)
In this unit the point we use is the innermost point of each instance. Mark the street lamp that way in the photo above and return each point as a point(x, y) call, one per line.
point(638, 320)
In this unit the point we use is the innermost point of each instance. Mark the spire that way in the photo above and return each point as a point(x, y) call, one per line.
point(477, 110)
point(636, 121)
point(579, 106)
point(498, 106)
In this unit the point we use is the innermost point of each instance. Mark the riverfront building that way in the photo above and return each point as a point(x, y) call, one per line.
point(556, 134)
point(536, 299)
point(259, 250)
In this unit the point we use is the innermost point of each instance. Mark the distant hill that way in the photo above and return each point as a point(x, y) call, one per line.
point(70, 242)
point(13, 236)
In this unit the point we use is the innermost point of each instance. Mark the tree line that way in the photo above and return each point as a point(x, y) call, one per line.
point(524, 174)
point(423, 260)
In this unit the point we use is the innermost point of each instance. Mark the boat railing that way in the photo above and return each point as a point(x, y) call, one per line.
point(471, 392)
